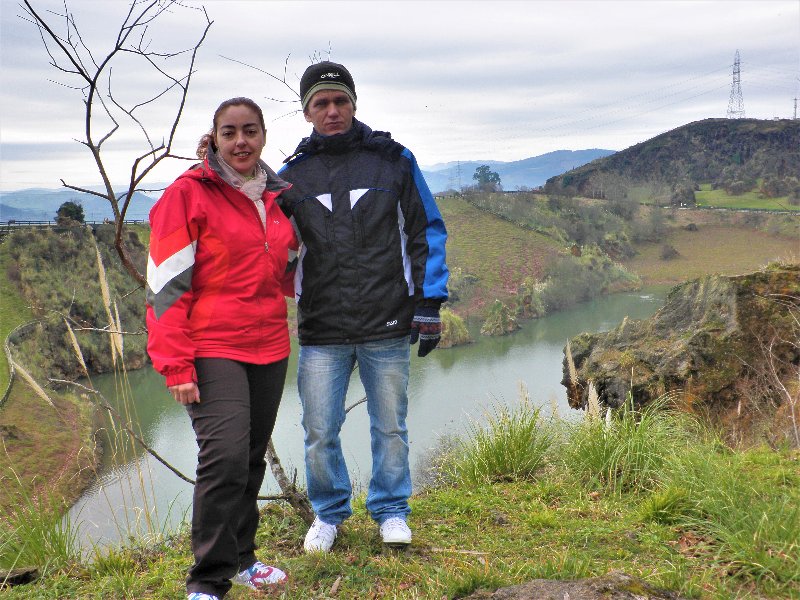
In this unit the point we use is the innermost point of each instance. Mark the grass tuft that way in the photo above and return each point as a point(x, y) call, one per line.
point(36, 534)
point(630, 450)
point(511, 446)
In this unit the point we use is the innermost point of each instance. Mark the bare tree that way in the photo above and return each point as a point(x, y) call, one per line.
point(105, 112)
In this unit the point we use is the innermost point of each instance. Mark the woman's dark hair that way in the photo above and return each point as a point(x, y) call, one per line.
point(208, 138)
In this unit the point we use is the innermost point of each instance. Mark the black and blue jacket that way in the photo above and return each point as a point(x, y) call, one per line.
point(373, 240)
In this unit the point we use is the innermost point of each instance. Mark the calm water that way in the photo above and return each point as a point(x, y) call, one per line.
point(448, 390)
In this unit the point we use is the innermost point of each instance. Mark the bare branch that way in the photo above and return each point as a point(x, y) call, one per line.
point(268, 74)
point(104, 404)
point(70, 56)
point(354, 404)
point(82, 189)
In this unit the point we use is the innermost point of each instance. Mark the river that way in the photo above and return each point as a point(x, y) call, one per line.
point(449, 390)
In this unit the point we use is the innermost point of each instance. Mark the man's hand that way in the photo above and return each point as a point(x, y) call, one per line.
point(427, 328)
point(185, 393)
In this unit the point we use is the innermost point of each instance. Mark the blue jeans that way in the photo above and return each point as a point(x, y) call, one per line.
point(322, 380)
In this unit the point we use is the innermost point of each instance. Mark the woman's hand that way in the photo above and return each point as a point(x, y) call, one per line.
point(185, 393)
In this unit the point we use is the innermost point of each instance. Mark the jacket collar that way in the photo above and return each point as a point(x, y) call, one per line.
point(358, 136)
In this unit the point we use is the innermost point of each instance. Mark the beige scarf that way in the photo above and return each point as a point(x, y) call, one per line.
point(252, 186)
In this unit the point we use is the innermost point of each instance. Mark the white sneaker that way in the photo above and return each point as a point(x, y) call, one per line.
point(320, 536)
point(395, 532)
point(202, 596)
point(260, 576)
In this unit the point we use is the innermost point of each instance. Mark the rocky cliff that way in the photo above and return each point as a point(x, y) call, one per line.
point(724, 343)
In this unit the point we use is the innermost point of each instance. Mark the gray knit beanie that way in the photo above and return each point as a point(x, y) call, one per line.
point(326, 75)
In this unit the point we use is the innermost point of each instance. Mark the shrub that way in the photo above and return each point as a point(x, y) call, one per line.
point(454, 331)
point(668, 252)
point(500, 320)
point(530, 304)
point(571, 280)
point(459, 284)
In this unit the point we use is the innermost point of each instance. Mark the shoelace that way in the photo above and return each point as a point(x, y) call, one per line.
point(395, 524)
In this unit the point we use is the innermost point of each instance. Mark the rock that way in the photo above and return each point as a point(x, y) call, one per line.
point(612, 586)
point(19, 576)
point(711, 335)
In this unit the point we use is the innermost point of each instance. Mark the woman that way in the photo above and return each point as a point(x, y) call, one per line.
point(218, 271)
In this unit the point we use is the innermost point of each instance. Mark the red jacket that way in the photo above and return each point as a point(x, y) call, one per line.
point(216, 280)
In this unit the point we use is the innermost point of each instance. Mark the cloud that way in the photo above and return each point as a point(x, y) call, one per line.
point(452, 80)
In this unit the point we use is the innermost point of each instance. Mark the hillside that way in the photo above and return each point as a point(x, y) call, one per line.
point(519, 174)
point(497, 253)
point(498, 259)
point(733, 153)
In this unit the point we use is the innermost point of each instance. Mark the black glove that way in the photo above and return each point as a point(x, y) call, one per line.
point(426, 327)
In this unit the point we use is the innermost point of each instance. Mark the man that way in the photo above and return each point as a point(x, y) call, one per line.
point(370, 280)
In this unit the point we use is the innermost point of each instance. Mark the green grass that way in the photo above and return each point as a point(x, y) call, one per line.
point(719, 198)
point(629, 452)
point(690, 515)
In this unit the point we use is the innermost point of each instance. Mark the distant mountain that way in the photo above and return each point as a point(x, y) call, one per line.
point(37, 204)
point(529, 172)
point(717, 151)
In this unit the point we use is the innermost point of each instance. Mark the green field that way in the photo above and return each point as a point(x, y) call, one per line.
point(749, 200)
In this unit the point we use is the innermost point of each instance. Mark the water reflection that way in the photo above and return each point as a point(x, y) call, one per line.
point(448, 388)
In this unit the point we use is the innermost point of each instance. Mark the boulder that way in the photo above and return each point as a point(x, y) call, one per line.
point(18, 576)
point(612, 586)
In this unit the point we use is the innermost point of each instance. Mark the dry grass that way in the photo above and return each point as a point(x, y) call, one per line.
point(719, 249)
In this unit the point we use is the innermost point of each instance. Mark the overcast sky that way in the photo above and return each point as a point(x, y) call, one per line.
point(452, 80)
